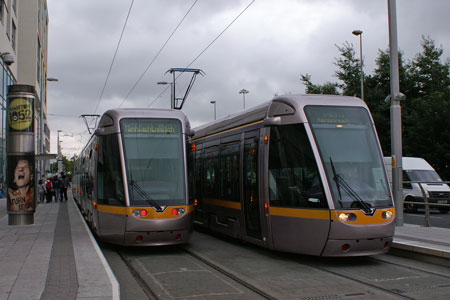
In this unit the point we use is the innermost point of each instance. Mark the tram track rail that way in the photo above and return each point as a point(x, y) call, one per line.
point(395, 292)
point(228, 274)
point(153, 295)
point(353, 278)
point(139, 279)
point(374, 286)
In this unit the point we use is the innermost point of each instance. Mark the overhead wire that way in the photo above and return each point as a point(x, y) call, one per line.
point(220, 34)
point(158, 53)
point(206, 48)
point(114, 57)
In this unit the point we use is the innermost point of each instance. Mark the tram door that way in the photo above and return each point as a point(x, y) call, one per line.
point(250, 187)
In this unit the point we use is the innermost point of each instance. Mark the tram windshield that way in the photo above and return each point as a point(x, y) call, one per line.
point(350, 153)
point(154, 161)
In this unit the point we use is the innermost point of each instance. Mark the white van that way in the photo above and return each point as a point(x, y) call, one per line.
point(418, 171)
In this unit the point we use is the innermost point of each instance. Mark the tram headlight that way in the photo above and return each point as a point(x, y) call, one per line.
point(347, 217)
point(387, 215)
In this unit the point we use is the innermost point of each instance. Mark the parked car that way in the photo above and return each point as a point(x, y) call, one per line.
point(418, 172)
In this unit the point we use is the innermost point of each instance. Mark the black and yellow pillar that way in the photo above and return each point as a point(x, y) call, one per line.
point(20, 150)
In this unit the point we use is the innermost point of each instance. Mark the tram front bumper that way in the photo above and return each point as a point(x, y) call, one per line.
point(360, 247)
point(156, 238)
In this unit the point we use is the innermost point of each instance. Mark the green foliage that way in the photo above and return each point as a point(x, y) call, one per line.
point(328, 88)
point(425, 113)
point(67, 165)
point(349, 71)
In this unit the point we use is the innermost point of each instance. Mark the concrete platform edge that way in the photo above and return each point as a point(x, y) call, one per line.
point(112, 278)
point(412, 246)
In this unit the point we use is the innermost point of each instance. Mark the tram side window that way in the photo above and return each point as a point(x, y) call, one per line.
point(294, 179)
point(109, 174)
point(198, 173)
point(229, 172)
point(191, 171)
point(210, 173)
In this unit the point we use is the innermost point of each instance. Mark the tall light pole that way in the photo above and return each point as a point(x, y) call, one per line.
point(60, 166)
point(359, 32)
point(214, 102)
point(43, 164)
point(396, 114)
point(243, 92)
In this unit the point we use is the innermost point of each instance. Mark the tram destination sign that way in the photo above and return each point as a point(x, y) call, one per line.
point(335, 115)
point(154, 127)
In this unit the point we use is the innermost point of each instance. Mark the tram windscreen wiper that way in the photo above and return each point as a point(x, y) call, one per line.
point(336, 179)
point(146, 196)
point(341, 183)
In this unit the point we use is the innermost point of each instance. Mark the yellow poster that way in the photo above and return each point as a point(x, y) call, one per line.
point(20, 114)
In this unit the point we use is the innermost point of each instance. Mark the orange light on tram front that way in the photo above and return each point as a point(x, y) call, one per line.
point(193, 147)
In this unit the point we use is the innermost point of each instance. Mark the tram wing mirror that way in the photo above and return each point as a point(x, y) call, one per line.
point(272, 121)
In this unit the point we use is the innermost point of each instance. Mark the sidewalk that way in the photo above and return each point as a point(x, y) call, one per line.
point(55, 258)
point(427, 241)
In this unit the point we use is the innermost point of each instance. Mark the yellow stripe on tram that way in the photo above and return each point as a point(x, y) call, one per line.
point(223, 203)
point(321, 214)
point(152, 213)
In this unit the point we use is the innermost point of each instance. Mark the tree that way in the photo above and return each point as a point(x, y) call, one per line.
point(426, 114)
point(377, 89)
point(349, 70)
point(328, 88)
point(67, 165)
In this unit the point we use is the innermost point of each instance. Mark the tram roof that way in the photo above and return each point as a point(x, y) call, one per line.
point(269, 109)
point(120, 113)
point(110, 117)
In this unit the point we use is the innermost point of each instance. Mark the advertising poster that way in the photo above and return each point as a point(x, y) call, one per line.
point(20, 115)
point(20, 183)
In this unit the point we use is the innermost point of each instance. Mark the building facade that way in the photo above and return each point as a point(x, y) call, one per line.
point(24, 37)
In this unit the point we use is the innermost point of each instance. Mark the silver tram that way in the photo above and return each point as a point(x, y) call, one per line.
point(301, 174)
point(130, 180)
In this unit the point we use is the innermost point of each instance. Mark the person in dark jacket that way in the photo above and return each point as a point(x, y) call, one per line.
point(64, 184)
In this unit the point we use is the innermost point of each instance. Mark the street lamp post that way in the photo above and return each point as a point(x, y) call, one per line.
point(214, 102)
point(396, 114)
point(359, 32)
point(41, 148)
point(59, 155)
point(243, 92)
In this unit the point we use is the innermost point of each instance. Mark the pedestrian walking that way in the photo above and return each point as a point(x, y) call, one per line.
point(49, 190)
point(57, 188)
point(64, 186)
point(41, 189)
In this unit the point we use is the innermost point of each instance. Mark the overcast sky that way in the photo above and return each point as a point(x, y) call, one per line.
point(264, 51)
